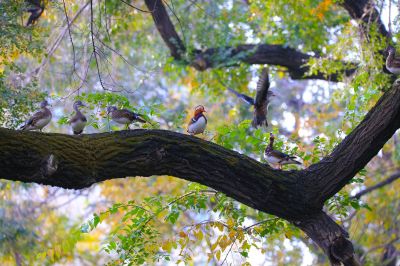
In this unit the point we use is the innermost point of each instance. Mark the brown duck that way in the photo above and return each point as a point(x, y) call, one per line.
point(124, 116)
point(40, 119)
point(276, 157)
point(78, 121)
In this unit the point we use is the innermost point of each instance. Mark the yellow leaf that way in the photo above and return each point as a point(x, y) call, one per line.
point(198, 234)
point(218, 255)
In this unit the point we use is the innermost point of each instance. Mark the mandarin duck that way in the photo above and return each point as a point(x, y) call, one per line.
point(124, 116)
point(277, 157)
point(392, 61)
point(40, 119)
point(261, 101)
point(78, 121)
point(198, 123)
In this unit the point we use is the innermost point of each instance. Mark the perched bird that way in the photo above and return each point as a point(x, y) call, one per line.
point(261, 101)
point(78, 121)
point(124, 116)
point(39, 119)
point(277, 157)
point(393, 61)
point(198, 123)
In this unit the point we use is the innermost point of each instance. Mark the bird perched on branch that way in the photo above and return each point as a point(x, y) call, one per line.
point(78, 121)
point(40, 119)
point(198, 123)
point(124, 116)
point(277, 157)
point(392, 61)
point(261, 101)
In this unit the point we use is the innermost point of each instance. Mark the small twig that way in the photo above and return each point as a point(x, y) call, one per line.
point(70, 36)
point(134, 7)
point(94, 45)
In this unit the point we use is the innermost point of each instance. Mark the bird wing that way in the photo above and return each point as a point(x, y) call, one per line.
point(244, 97)
point(261, 100)
point(139, 118)
point(35, 117)
point(132, 116)
point(262, 89)
point(279, 154)
point(76, 117)
point(127, 113)
point(396, 62)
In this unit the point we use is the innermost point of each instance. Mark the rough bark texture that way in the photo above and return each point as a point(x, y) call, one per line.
point(229, 56)
point(298, 196)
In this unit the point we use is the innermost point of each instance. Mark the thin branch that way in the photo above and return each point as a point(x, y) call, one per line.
point(94, 45)
point(134, 7)
point(385, 182)
point(70, 36)
point(52, 48)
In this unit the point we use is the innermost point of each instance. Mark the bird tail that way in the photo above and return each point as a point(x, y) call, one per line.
point(259, 121)
point(141, 120)
point(292, 160)
point(24, 127)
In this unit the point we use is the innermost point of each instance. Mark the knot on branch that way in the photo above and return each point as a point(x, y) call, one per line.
point(161, 153)
point(49, 166)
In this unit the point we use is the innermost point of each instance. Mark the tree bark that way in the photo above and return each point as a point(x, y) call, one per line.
point(229, 56)
point(298, 196)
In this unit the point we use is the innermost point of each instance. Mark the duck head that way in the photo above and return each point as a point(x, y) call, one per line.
point(199, 110)
point(44, 104)
point(78, 104)
point(111, 109)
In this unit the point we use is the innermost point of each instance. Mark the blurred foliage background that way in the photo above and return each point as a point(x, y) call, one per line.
point(161, 220)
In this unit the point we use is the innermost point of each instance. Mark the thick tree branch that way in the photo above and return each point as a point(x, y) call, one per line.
point(78, 162)
point(385, 182)
point(366, 12)
point(298, 196)
point(166, 28)
point(333, 172)
point(230, 56)
point(261, 54)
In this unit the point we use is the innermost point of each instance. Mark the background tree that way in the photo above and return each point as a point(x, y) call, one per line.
point(162, 58)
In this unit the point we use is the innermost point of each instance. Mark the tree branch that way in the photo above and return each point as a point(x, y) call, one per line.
point(230, 56)
point(366, 12)
point(166, 28)
point(298, 196)
point(329, 175)
point(385, 182)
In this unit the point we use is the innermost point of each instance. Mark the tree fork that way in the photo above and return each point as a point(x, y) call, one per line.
point(298, 196)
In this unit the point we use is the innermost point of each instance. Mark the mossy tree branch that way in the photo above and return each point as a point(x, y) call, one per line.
point(298, 196)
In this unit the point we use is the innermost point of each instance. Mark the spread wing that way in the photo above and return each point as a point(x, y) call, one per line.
point(261, 100)
point(243, 97)
point(262, 89)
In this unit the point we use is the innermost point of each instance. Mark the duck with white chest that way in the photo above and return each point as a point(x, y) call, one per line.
point(78, 121)
point(276, 157)
point(198, 122)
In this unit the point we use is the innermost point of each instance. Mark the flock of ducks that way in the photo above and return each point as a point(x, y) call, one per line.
point(198, 122)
